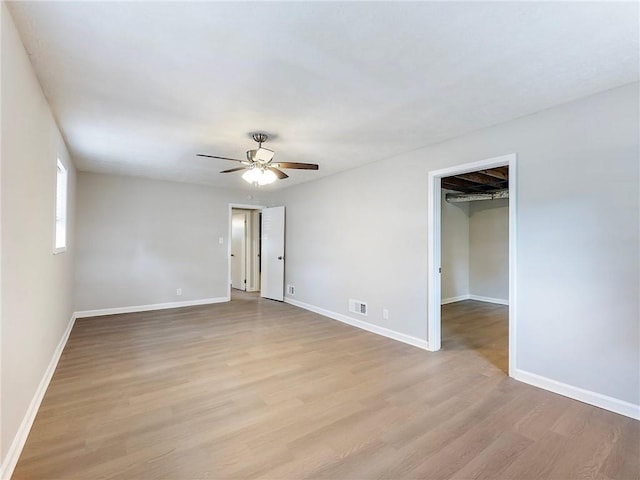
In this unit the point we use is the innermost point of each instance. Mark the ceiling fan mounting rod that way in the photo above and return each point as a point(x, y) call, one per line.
point(260, 138)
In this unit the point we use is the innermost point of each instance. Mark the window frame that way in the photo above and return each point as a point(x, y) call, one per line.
point(61, 208)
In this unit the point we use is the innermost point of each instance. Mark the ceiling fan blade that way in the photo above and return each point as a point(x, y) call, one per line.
point(221, 158)
point(279, 173)
point(300, 166)
point(234, 169)
point(263, 155)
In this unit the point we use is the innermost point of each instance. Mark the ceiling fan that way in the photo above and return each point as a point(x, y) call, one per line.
point(259, 167)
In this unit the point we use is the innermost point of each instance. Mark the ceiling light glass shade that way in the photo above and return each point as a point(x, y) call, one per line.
point(267, 177)
point(252, 175)
point(259, 176)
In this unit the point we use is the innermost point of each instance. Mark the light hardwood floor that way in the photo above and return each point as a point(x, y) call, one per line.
point(261, 389)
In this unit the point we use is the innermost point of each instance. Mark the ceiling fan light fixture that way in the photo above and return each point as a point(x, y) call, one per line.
point(259, 176)
point(259, 170)
point(251, 175)
point(267, 177)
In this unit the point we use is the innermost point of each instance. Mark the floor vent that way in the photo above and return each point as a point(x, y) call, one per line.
point(356, 306)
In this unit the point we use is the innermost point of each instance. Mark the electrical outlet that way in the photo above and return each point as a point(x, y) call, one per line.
point(178, 291)
point(385, 314)
point(220, 240)
point(291, 290)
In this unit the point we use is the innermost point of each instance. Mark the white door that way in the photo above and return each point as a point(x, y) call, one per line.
point(272, 256)
point(238, 250)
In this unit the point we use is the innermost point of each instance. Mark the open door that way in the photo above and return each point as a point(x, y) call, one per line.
point(272, 256)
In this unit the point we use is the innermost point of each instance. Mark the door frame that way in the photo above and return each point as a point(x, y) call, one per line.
point(229, 227)
point(434, 247)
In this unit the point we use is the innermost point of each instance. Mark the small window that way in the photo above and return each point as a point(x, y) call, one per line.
point(61, 208)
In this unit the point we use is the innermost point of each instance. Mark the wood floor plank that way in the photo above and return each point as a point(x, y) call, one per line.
point(494, 459)
point(261, 389)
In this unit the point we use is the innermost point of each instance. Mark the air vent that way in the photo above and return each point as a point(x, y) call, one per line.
point(356, 306)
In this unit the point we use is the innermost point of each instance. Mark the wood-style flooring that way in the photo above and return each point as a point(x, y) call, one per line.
point(261, 389)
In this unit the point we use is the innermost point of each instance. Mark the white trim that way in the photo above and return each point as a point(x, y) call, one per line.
point(493, 162)
point(499, 301)
point(369, 327)
point(13, 454)
point(513, 264)
point(478, 298)
point(586, 396)
point(61, 168)
point(459, 298)
point(434, 250)
point(434, 294)
point(146, 308)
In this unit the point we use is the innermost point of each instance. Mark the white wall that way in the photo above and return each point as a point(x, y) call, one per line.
point(139, 240)
point(363, 234)
point(489, 249)
point(36, 284)
point(454, 249)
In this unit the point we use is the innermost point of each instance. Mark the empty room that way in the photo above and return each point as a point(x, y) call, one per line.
point(340, 240)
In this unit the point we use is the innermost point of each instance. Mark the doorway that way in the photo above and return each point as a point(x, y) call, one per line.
point(244, 245)
point(475, 264)
point(239, 230)
point(256, 251)
point(435, 245)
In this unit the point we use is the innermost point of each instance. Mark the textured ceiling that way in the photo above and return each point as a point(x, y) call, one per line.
point(140, 87)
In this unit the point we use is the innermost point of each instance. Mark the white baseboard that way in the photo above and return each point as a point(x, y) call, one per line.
point(370, 327)
point(13, 454)
point(586, 396)
point(478, 298)
point(499, 301)
point(459, 298)
point(146, 308)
